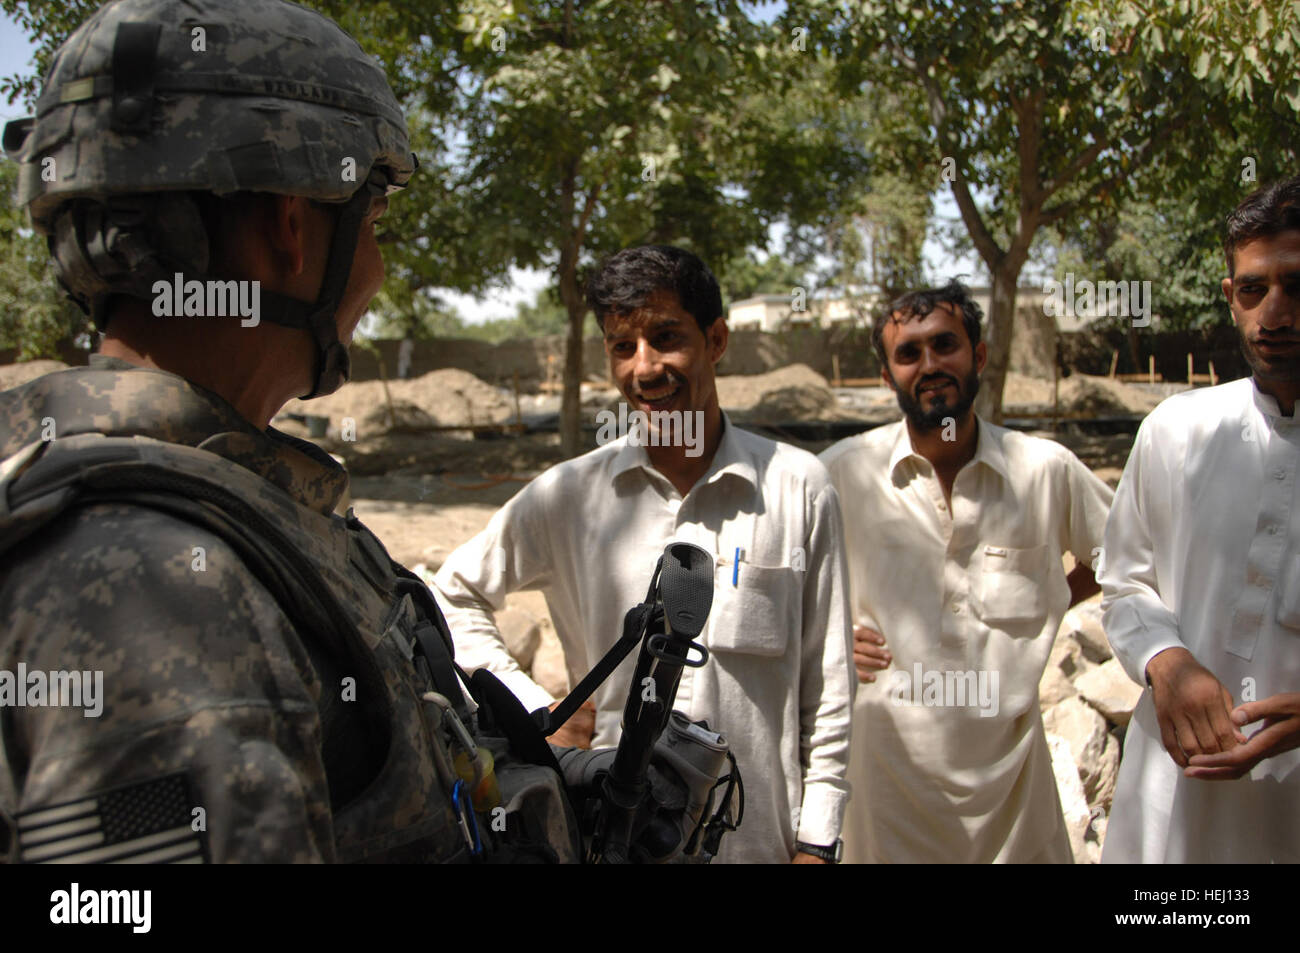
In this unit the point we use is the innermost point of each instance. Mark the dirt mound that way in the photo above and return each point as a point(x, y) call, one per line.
point(442, 398)
point(1082, 395)
point(1089, 396)
point(795, 392)
point(14, 375)
point(1029, 394)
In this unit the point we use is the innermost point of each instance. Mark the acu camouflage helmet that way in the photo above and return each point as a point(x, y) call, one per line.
point(151, 99)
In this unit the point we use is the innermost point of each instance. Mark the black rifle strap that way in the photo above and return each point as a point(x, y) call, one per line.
point(723, 821)
point(635, 623)
point(433, 642)
point(634, 626)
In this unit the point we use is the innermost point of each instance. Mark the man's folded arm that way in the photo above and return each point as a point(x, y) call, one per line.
point(1137, 622)
point(509, 555)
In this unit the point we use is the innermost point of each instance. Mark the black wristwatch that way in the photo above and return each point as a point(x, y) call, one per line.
point(831, 854)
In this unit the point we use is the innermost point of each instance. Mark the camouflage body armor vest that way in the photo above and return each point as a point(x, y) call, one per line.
point(390, 749)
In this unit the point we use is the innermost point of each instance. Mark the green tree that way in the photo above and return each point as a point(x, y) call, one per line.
point(554, 132)
point(749, 275)
point(591, 126)
point(545, 315)
point(1040, 109)
point(419, 315)
point(35, 317)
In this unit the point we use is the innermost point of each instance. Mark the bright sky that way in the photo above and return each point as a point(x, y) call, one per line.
point(16, 57)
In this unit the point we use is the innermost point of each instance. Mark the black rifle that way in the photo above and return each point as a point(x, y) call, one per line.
point(666, 625)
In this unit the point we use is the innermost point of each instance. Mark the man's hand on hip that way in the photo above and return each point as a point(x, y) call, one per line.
point(577, 732)
point(1280, 732)
point(1192, 706)
point(802, 858)
point(869, 654)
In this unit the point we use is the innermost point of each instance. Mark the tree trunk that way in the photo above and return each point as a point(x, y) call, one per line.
point(1000, 326)
point(571, 402)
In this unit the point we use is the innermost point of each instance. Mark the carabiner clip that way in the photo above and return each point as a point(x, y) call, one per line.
point(459, 733)
point(465, 818)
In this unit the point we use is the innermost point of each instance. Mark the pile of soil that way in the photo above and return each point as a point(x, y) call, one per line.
point(15, 375)
point(795, 392)
point(1081, 395)
point(442, 398)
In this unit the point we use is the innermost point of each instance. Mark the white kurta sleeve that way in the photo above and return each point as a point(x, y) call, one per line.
point(826, 682)
point(1089, 507)
point(1138, 622)
point(512, 553)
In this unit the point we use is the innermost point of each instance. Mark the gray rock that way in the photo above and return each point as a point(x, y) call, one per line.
point(1109, 690)
point(1074, 804)
point(1055, 685)
point(549, 669)
point(1099, 777)
point(522, 634)
point(1082, 728)
point(1089, 633)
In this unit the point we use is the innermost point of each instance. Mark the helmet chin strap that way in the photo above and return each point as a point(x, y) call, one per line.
point(333, 365)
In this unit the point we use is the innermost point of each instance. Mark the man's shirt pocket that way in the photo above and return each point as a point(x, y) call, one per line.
point(755, 607)
point(1012, 583)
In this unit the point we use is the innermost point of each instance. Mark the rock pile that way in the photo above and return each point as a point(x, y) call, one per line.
point(1086, 700)
point(441, 398)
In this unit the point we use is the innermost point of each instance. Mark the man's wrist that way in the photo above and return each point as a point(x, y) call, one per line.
point(831, 854)
point(1160, 660)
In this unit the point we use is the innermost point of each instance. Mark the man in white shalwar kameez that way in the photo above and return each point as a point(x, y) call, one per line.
point(1201, 574)
point(778, 682)
point(955, 531)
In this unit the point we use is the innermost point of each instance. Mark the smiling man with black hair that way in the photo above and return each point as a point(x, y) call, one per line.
point(778, 683)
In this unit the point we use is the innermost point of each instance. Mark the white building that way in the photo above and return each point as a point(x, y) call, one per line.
point(774, 312)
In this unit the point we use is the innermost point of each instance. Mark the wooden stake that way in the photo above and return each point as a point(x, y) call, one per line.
point(1151, 368)
point(1056, 395)
point(1114, 363)
point(519, 417)
point(835, 370)
point(1190, 382)
point(1214, 378)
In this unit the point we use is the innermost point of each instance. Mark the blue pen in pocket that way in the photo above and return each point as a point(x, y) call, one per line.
point(735, 569)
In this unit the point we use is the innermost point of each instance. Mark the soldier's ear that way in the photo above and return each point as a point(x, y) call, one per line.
point(288, 223)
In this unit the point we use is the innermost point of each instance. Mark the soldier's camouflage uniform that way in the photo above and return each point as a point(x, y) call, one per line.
point(203, 673)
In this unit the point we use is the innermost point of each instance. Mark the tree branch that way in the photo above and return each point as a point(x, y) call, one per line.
point(983, 239)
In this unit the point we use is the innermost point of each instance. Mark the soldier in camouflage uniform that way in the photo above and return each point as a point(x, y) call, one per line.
point(224, 733)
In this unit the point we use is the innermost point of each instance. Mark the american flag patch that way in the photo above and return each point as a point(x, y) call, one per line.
point(146, 823)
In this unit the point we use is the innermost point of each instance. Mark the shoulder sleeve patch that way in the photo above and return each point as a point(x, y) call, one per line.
point(149, 822)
